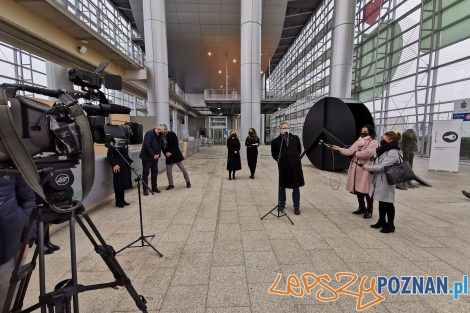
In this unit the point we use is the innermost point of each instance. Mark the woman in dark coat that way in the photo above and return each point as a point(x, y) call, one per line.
point(121, 173)
point(286, 150)
point(252, 144)
point(233, 156)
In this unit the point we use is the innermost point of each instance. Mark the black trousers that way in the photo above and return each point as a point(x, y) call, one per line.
point(151, 166)
point(119, 196)
point(408, 157)
point(362, 198)
point(386, 209)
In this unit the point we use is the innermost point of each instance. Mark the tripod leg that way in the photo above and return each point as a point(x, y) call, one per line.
point(277, 206)
point(150, 245)
point(108, 255)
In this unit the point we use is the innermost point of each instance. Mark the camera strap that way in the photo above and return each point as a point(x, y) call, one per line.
point(24, 162)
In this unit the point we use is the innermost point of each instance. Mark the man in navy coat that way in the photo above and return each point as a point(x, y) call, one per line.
point(150, 153)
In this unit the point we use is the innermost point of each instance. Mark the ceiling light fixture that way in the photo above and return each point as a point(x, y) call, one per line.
point(220, 71)
point(234, 60)
point(209, 53)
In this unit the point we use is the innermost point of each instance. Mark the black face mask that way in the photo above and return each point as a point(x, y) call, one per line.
point(364, 135)
point(383, 142)
point(251, 133)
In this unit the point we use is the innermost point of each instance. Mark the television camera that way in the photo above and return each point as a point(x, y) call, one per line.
point(42, 143)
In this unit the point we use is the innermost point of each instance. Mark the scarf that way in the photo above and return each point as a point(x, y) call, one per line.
point(387, 147)
point(164, 142)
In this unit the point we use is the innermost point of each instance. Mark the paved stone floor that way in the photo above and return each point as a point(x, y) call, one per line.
point(220, 257)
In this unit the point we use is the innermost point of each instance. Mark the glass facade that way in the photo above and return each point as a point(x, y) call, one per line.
point(20, 67)
point(411, 62)
point(304, 71)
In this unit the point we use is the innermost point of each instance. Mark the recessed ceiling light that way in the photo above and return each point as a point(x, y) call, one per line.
point(221, 86)
point(220, 71)
point(234, 60)
point(209, 53)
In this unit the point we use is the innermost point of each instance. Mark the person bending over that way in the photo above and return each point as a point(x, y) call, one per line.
point(171, 149)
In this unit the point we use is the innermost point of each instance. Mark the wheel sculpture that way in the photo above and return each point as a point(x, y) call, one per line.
point(336, 122)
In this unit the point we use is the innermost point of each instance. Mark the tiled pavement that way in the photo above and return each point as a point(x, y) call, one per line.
point(219, 257)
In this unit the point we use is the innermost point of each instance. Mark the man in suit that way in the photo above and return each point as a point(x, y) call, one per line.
point(286, 149)
point(150, 153)
point(171, 149)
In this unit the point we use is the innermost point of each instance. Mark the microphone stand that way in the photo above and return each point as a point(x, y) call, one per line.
point(143, 239)
point(280, 210)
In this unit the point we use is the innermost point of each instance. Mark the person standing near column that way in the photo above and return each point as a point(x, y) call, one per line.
point(171, 149)
point(252, 144)
point(233, 156)
point(150, 153)
point(286, 149)
point(122, 179)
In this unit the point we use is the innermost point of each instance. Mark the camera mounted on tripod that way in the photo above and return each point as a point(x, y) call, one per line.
point(42, 142)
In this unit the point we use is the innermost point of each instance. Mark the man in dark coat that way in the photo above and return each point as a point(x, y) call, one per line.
point(286, 150)
point(17, 201)
point(409, 146)
point(150, 153)
point(171, 149)
point(122, 180)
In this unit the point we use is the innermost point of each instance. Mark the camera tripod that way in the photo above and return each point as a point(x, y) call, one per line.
point(59, 300)
point(143, 239)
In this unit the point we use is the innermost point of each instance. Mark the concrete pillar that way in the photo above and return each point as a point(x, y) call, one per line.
point(156, 60)
point(57, 77)
point(174, 117)
point(186, 127)
point(251, 13)
point(342, 45)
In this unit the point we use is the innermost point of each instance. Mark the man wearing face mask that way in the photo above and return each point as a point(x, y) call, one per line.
point(286, 150)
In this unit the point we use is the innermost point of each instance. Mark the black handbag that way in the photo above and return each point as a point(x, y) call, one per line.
point(399, 172)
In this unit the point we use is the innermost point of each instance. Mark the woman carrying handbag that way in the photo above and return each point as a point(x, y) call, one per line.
point(387, 154)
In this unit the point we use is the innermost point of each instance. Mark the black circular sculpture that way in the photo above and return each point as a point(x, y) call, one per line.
point(335, 122)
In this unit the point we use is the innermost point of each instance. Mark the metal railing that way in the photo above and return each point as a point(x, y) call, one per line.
point(103, 18)
point(222, 94)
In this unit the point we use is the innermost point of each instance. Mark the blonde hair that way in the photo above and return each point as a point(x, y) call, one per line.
point(394, 136)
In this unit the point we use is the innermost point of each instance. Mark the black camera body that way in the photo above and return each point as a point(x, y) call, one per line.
point(53, 135)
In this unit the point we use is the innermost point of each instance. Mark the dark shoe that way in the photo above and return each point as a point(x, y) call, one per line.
point(188, 184)
point(233, 176)
point(368, 213)
point(379, 224)
point(281, 208)
point(388, 229)
point(252, 176)
point(410, 185)
point(146, 192)
point(120, 205)
point(156, 190)
point(229, 177)
point(170, 187)
point(52, 246)
point(360, 211)
point(296, 211)
point(126, 203)
point(401, 187)
point(466, 193)
point(48, 250)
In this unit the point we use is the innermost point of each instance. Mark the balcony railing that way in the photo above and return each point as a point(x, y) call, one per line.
point(222, 94)
point(102, 17)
